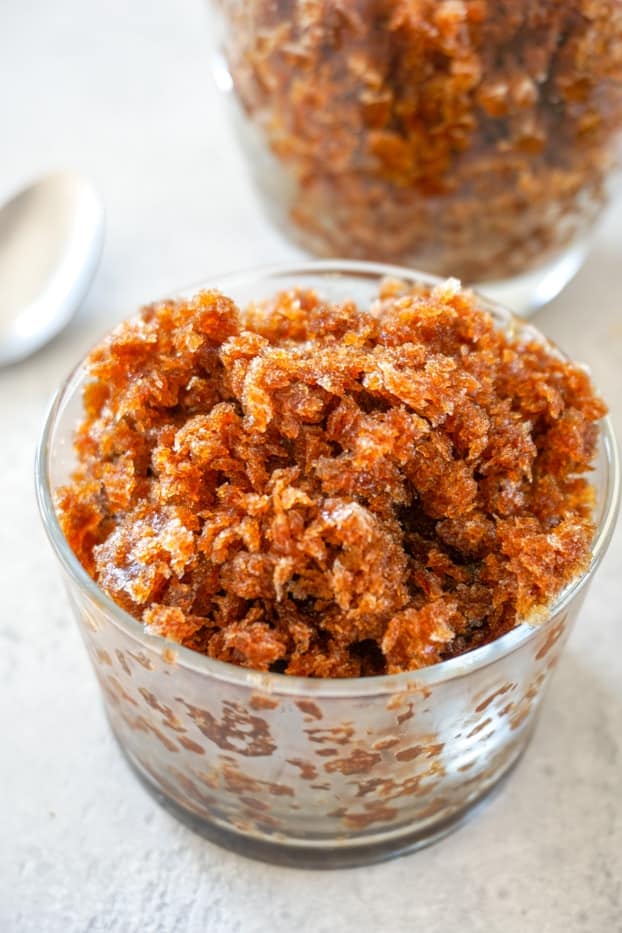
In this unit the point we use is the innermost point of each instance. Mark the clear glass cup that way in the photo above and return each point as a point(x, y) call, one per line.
point(306, 771)
point(462, 137)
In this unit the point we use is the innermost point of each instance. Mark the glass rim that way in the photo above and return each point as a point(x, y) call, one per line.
point(286, 684)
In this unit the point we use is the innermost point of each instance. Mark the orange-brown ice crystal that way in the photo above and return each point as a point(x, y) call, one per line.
point(464, 137)
point(326, 490)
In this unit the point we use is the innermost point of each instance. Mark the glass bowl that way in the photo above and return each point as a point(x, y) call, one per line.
point(460, 137)
point(300, 771)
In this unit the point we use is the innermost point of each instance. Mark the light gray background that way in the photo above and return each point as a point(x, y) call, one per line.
point(120, 90)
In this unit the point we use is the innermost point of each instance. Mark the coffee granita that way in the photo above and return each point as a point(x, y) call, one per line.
point(390, 123)
point(328, 490)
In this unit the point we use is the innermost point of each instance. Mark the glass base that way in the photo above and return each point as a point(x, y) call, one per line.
point(324, 854)
point(525, 293)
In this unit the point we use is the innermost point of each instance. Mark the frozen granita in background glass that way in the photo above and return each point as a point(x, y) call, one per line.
point(313, 523)
point(464, 137)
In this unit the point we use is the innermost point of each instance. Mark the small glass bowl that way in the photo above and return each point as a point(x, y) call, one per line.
point(480, 140)
point(309, 772)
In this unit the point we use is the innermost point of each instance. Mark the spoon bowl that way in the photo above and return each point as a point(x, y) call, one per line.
point(51, 238)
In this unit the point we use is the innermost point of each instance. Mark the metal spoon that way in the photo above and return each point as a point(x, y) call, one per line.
point(51, 237)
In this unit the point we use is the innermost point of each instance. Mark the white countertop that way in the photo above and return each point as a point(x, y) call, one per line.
point(120, 91)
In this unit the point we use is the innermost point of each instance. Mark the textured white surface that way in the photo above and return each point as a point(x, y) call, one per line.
point(120, 91)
